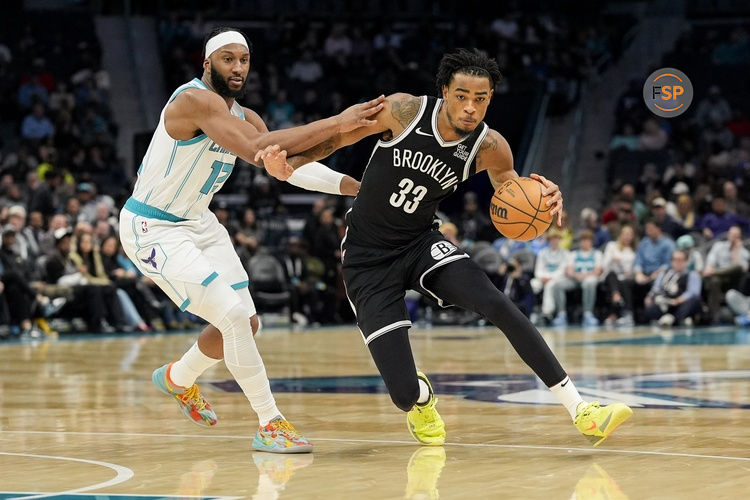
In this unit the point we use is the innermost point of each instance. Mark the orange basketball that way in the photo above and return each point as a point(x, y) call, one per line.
point(519, 211)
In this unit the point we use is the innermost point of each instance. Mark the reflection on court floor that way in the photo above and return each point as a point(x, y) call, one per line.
point(79, 419)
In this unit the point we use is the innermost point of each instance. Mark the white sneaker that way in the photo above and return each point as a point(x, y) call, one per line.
point(666, 320)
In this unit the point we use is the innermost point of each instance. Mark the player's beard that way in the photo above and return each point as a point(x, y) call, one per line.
point(222, 88)
point(458, 130)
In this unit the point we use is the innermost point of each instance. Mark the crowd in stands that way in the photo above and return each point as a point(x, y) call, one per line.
point(62, 183)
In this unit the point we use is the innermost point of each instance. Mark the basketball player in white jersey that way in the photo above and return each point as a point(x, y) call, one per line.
point(168, 231)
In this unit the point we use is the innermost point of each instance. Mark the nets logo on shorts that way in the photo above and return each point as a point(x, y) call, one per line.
point(442, 249)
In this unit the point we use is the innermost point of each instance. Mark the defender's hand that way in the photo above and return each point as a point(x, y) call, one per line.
point(275, 162)
point(358, 115)
point(550, 188)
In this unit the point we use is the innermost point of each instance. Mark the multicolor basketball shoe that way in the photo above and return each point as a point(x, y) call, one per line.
point(279, 436)
point(423, 420)
point(597, 422)
point(192, 404)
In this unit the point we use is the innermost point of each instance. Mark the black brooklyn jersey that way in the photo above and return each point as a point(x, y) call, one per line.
point(407, 177)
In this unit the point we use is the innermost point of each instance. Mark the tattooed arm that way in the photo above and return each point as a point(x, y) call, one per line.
point(496, 158)
point(398, 112)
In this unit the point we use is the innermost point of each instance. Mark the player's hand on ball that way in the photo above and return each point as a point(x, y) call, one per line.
point(275, 162)
point(359, 115)
point(551, 189)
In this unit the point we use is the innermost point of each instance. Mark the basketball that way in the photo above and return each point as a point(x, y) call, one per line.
point(519, 211)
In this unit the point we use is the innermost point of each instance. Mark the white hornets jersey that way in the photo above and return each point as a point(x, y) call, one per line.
point(177, 179)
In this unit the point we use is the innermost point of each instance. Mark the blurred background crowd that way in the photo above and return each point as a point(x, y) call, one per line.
point(665, 244)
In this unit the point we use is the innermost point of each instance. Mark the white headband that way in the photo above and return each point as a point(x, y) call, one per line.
point(224, 38)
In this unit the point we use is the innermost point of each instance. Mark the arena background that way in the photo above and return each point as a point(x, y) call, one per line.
point(82, 84)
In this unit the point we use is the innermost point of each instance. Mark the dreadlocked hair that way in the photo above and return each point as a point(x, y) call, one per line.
point(469, 62)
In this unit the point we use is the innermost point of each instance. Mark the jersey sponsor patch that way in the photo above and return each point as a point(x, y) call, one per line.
point(462, 152)
point(442, 249)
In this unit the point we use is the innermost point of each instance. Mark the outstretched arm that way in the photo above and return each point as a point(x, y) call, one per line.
point(397, 113)
point(201, 110)
point(496, 158)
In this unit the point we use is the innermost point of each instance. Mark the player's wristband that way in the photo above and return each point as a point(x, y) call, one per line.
point(315, 176)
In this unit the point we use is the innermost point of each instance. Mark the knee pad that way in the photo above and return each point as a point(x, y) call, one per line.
point(215, 301)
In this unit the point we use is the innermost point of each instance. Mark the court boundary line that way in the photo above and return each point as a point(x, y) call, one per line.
point(396, 441)
point(122, 474)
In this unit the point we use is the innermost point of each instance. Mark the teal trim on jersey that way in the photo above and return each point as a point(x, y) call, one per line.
point(185, 304)
point(192, 141)
point(140, 169)
point(240, 285)
point(189, 85)
point(140, 208)
point(210, 278)
point(171, 159)
point(184, 181)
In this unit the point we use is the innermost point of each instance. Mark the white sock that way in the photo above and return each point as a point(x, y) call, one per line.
point(192, 364)
point(424, 392)
point(244, 362)
point(567, 394)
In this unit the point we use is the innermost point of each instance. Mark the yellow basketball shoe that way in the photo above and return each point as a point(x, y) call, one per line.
point(597, 422)
point(423, 472)
point(423, 420)
point(596, 484)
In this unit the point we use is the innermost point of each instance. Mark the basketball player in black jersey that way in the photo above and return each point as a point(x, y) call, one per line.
point(428, 146)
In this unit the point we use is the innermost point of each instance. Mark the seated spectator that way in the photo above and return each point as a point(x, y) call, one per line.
point(653, 254)
point(675, 295)
point(549, 266)
point(659, 215)
point(125, 276)
point(685, 213)
point(88, 260)
point(725, 265)
point(590, 221)
point(734, 204)
point(627, 139)
point(474, 224)
point(511, 280)
point(86, 300)
point(618, 264)
point(653, 137)
point(36, 126)
point(24, 301)
point(583, 270)
point(696, 262)
point(717, 222)
point(306, 69)
point(739, 304)
point(304, 274)
point(712, 108)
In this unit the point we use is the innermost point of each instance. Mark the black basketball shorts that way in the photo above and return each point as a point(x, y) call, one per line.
point(377, 279)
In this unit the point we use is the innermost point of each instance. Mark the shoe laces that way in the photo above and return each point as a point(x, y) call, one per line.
point(192, 395)
point(588, 409)
point(430, 416)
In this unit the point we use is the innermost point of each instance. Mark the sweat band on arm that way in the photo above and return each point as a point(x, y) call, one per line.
point(315, 176)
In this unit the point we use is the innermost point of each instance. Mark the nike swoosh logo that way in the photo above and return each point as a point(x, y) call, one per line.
point(604, 425)
point(593, 426)
point(419, 131)
point(565, 383)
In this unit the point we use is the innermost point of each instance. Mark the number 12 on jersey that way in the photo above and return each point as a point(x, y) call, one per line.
point(214, 182)
point(408, 188)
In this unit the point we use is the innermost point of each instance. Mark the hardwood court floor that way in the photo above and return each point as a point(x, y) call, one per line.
point(81, 416)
